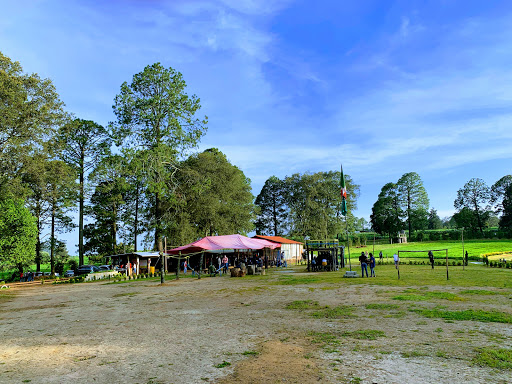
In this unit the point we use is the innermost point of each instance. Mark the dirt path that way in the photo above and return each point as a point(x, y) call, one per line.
point(229, 330)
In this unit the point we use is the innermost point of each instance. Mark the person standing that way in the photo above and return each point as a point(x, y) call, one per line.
point(431, 258)
point(397, 260)
point(380, 257)
point(185, 267)
point(364, 262)
point(372, 265)
point(225, 264)
point(466, 257)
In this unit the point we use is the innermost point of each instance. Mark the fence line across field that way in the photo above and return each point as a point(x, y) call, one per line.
point(427, 251)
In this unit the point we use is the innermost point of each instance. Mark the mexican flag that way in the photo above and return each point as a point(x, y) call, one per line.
point(343, 194)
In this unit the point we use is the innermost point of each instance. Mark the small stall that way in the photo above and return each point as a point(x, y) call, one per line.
point(236, 248)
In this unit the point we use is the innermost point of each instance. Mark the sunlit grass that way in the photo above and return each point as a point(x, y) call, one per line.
point(494, 358)
point(410, 275)
point(478, 315)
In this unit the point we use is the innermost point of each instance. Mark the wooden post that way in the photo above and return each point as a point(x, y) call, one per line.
point(178, 267)
point(398, 265)
point(463, 258)
point(447, 278)
point(200, 266)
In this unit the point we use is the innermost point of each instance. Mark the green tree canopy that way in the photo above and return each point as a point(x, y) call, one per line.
point(506, 217)
point(18, 234)
point(413, 200)
point(82, 144)
point(475, 197)
point(155, 115)
point(498, 192)
point(217, 196)
point(386, 217)
point(272, 217)
point(315, 204)
point(30, 109)
point(434, 221)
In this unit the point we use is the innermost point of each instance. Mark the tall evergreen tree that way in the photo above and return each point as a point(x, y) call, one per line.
point(217, 195)
point(506, 217)
point(413, 200)
point(475, 197)
point(315, 204)
point(272, 216)
point(386, 217)
point(434, 221)
point(30, 109)
point(107, 205)
point(156, 115)
point(498, 191)
point(82, 144)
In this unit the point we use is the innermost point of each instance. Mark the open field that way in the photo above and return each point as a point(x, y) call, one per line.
point(475, 248)
point(289, 326)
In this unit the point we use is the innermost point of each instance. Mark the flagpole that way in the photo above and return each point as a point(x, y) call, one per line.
point(348, 245)
point(344, 210)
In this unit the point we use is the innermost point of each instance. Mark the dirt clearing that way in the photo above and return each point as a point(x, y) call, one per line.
point(249, 330)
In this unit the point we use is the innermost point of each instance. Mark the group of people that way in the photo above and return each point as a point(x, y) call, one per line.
point(367, 259)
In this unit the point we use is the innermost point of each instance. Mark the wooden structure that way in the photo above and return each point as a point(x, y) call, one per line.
point(329, 250)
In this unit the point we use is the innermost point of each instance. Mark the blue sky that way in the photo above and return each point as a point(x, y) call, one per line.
point(384, 87)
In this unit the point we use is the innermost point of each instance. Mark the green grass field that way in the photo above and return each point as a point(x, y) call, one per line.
point(475, 248)
point(421, 276)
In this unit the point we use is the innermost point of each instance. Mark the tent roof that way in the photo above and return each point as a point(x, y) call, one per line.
point(277, 239)
point(224, 242)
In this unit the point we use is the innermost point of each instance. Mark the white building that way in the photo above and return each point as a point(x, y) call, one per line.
point(292, 249)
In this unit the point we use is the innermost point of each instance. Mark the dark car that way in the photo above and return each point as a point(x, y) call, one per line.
point(86, 269)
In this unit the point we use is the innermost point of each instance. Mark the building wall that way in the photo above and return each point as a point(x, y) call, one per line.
point(292, 252)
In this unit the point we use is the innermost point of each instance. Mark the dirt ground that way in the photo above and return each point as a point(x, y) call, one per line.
point(239, 330)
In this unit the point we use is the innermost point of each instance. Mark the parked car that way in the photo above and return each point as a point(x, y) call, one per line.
point(69, 273)
point(86, 269)
point(49, 274)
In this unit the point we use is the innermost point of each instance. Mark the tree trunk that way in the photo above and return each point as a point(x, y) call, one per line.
point(52, 241)
point(158, 223)
point(38, 246)
point(136, 223)
point(81, 214)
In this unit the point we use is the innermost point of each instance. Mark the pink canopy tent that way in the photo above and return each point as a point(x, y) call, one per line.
point(223, 242)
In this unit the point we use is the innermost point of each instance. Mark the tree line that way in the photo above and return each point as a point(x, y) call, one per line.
point(306, 206)
point(136, 177)
point(404, 205)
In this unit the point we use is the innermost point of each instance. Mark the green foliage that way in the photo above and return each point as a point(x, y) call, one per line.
point(506, 208)
point(387, 212)
point(499, 191)
point(82, 144)
point(30, 110)
point(156, 117)
point(413, 200)
point(272, 217)
point(472, 204)
point(434, 222)
point(18, 233)
point(215, 198)
point(314, 203)
point(107, 206)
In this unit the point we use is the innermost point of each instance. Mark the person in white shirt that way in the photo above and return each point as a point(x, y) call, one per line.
point(397, 260)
